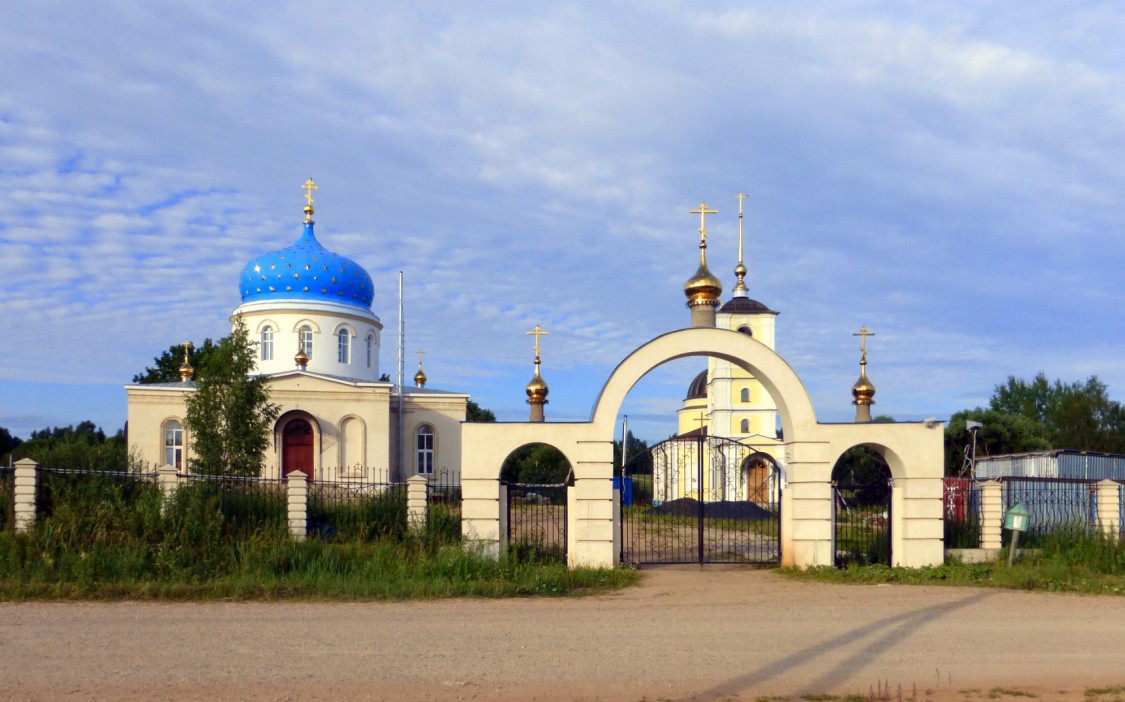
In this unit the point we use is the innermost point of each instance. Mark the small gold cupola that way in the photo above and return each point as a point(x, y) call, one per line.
point(703, 289)
point(537, 389)
point(301, 358)
point(864, 390)
point(420, 377)
point(186, 371)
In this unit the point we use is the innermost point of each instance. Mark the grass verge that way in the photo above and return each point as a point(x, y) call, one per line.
point(1065, 562)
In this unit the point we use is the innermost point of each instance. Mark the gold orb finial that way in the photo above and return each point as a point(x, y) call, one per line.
point(420, 377)
point(863, 390)
point(308, 187)
point(186, 371)
point(740, 289)
point(703, 288)
point(301, 358)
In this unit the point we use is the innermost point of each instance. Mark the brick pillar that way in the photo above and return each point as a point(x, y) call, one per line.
point(416, 488)
point(168, 481)
point(24, 489)
point(1109, 508)
point(297, 487)
point(991, 514)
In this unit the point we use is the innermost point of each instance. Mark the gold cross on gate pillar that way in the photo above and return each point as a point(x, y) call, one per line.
point(703, 211)
point(863, 333)
point(537, 332)
point(308, 187)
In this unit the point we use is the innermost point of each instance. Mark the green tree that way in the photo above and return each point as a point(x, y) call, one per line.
point(82, 446)
point(638, 457)
point(476, 413)
point(999, 434)
point(166, 366)
point(230, 416)
point(7, 443)
point(535, 464)
point(1078, 415)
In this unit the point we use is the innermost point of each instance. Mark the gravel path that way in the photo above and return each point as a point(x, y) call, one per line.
point(685, 633)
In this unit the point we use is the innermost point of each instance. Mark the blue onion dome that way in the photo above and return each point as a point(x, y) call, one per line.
point(306, 271)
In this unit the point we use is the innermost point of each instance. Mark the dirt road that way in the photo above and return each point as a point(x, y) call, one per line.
point(684, 634)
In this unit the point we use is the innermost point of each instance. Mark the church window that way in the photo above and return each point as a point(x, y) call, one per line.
point(267, 343)
point(746, 330)
point(343, 346)
point(306, 339)
point(744, 427)
point(745, 395)
point(370, 349)
point(174, 445)
point(425, 450)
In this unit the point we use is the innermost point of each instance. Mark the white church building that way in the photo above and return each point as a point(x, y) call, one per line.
point(310, 311)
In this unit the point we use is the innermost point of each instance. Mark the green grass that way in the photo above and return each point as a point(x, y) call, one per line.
point(108, 539)
point(1066, 561)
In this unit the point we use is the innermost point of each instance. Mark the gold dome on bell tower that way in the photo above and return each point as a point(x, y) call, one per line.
point(703, 289)
point(863, 390)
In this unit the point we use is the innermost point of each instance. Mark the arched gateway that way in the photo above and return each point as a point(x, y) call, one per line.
point(913, 452)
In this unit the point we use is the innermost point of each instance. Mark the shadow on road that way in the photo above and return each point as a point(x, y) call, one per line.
point(884, 635)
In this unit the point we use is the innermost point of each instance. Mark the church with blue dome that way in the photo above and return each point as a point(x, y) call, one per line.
point(309, 310)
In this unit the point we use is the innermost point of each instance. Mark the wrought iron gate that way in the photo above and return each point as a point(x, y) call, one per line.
point(537, 521)
point(863, 523)
point(701, 499)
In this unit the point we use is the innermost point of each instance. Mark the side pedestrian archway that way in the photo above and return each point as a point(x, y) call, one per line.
point(913, 452)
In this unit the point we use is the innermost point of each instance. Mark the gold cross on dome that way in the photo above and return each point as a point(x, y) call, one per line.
point(187, 347)
point(703, 211)
point(421, 353)
point(863, 333)
point(537, 332)
point(308, 187)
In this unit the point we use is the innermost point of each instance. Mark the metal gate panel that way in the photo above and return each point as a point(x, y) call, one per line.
point(537, 521)
point(862, 523)
point(702, 499)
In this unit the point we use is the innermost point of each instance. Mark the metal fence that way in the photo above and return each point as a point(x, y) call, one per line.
point(7, 497)
point(1052, 504)
point(81, 488)
point(247, 505)
point(443, 509)
point(352, 510)
point(961, 506)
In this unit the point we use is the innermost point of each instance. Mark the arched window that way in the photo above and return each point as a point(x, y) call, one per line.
point(305, 337)
point(744, 427)
point(425, 450)
point(746, 330)
point(174, 445)
point(744, 396)
point(370, 349)
point(343, 346)
point(267, 343)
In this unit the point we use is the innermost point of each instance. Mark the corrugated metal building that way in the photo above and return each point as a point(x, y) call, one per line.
point(1060, 463)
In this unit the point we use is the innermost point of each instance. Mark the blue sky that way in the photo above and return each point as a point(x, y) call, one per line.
point(947, 174)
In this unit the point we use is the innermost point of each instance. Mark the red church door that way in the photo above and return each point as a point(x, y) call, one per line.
point(297, 448)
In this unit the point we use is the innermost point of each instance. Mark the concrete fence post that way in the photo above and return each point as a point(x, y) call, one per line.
point(168, 481)
point(297, 488)
point(991, 514)
point(417, 487)
point(27, 472)
point(1109, 508)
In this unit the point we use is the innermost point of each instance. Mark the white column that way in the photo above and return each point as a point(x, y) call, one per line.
point(416, 489)
point(297, 488)
point(168, 481)
point(991, 515)
point(1109, 508)
point(24, 493)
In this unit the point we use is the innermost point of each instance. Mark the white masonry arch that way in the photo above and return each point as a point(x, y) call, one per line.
point(914, 452)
